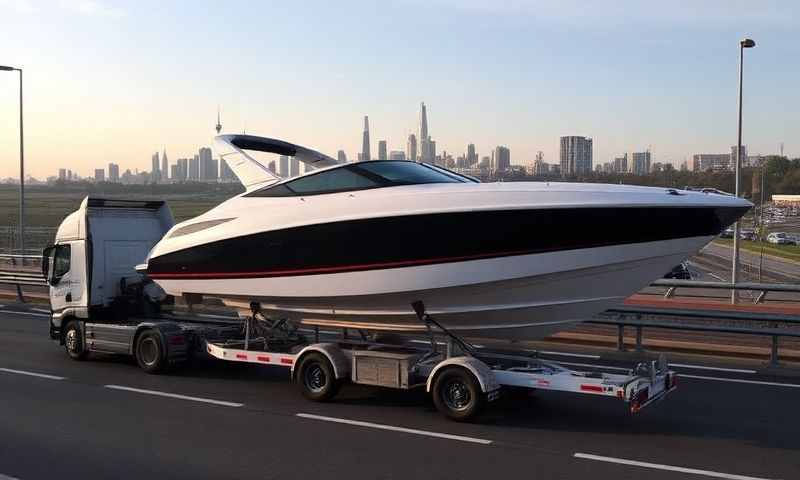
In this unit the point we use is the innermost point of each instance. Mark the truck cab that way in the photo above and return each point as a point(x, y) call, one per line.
point(90, 267)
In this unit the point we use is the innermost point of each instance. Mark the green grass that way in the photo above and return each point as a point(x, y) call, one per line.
point(789, 252)
point(48, 207)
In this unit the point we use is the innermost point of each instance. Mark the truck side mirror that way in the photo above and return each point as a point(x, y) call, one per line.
point(47, 260)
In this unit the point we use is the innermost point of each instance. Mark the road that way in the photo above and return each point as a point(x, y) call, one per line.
point(787, 270)
point(247, 421)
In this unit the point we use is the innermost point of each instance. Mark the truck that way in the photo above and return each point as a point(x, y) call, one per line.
point(99, 303)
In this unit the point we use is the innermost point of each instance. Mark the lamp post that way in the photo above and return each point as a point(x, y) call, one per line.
point(21, 164)
point(745, 43)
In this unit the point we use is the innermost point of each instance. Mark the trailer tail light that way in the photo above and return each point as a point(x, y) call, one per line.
point(177, 340)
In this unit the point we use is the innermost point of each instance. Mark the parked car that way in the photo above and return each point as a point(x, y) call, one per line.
point(680, 272)
point(728, 233)
point(748, 235)
point(780, 238)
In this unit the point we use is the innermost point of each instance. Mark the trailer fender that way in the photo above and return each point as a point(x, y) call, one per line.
point(481, 371)
point(334, 354)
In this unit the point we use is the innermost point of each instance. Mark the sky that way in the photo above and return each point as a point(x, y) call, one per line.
point(114, 81)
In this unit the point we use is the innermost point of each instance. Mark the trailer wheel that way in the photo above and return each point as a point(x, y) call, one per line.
point(150, 353)
point(457, 394)
point(315, 378)
point(73, 342)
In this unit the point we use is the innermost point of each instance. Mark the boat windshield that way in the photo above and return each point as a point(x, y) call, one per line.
point(362, 176)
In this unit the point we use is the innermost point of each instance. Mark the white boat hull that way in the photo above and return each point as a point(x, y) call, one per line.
point(515, 297)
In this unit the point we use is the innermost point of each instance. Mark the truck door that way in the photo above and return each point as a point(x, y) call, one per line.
point(66, 277)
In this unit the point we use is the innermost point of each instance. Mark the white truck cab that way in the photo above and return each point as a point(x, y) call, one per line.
point(96, 249)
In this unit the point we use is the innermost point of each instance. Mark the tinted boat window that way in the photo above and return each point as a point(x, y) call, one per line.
point(329, 181)
point(407, 173)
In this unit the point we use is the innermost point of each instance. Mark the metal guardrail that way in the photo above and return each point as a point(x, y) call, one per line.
point(620, 315)
point(762, 288)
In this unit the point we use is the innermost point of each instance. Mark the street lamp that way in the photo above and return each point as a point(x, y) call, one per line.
point(21, 164)
point(745, 43)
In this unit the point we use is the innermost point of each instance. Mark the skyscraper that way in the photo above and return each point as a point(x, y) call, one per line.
point(576, 155)
point(164, 166)
point(365, 156)
point(423, 133)
point(62, 174)
point(621, 164)
point(640, 163)
point(183, 169)
point(155, 173)
point(206, 165)
point(113, 172)
point(472, 156)
point(295, 167)
point(382, 150)
point(99, 175)
point(283, 166)
point(194, 168)
point(341, 157)
point(502, 159)
point(411, 148)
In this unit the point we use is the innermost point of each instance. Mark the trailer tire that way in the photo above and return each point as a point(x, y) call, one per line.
point(316, 379)
point(149, 352)
point(73, 341)
point(457, 394)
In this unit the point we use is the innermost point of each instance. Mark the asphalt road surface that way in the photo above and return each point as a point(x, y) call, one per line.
point(104, 418)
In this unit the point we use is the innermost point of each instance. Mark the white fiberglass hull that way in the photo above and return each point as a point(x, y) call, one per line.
point(513, 297)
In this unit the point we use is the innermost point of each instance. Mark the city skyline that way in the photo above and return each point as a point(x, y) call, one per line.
point(524, 75)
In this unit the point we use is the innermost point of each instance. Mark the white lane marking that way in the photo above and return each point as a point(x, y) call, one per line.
point(736, 380)
point(27, 313)
point(565, 354)
point(721, 279)
point(175, 395)
point(32, 374)
point(396, 429)
point(701, 367)
point(658, 466)
point(43, 310)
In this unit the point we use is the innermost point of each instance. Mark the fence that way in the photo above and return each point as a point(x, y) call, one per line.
point(36, 239)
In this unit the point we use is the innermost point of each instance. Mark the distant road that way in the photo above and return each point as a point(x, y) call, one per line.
point(783, 267)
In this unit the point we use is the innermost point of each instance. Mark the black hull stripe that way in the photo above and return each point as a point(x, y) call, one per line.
point(417, 240)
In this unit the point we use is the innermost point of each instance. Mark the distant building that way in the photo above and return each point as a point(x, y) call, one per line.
point(382, 150)
point(155, 172)
point(113, 172)
point(717, 162)
point(745, 162)
point(225, 172)
point(341, 156)
point(207, 170)
point(397, 155)
point(365, 156)
point(502, 159)
point(283, 166)
point(411, 148)
point(183, 169)
point(472, 156)
point(173, 172)
point(539, 167)
point(295, 167)
point(684, 166)
point(62, 174)
point(640, 163)
point(194, 168)
point(99, 175)
point(164, 167)
point(425, 153)
point(271, 166)
point(576, 155)
point(621, 164)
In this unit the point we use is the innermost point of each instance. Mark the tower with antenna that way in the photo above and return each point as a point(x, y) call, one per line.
point(219, 124)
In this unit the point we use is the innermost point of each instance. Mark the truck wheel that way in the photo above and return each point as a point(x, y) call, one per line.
point(315, 378)
point(457, 394)
point(149, 352)
point(73, 341)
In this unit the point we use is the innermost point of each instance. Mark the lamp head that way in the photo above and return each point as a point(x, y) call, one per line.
point(6, 69)
point(747, 43)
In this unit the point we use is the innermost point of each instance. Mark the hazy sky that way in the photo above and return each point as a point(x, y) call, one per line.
point(115, 81)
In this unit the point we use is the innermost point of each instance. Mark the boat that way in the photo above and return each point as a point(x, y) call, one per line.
point(353, 245)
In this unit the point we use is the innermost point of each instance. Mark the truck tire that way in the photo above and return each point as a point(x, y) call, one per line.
point(150, 353)
point(457, 394)
point(73, 341)
point(315, 378)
